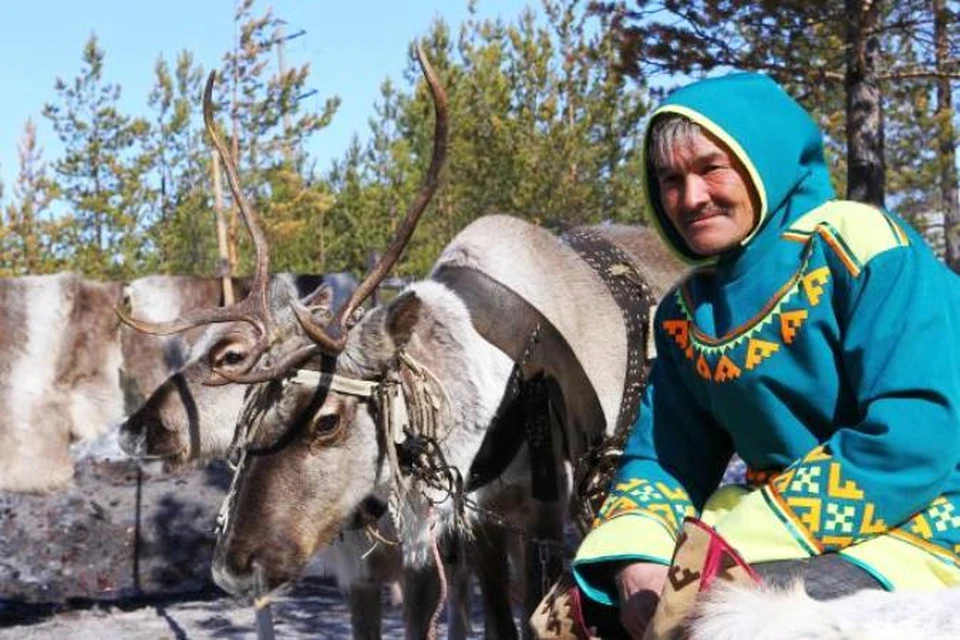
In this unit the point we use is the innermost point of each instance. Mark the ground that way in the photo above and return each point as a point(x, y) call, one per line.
point(313, 609)
point(124, 552)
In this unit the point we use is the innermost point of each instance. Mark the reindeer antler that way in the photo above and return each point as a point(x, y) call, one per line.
point(254, 308)
point(332, 337)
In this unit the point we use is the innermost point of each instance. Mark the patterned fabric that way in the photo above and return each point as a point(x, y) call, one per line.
point(747, 347)
point(665, 504)
point(823, 351)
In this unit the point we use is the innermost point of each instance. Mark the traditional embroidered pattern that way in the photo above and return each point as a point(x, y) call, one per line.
point(744, 348)
point(831, 512)
point(828, 509)
point(657, 500)
point(936, 529)
point(855, 232)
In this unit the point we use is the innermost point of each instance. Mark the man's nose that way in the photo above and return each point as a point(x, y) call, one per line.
point(695, 192)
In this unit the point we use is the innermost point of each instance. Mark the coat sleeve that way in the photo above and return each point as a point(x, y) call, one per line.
point(899, 329)
point(674, 458)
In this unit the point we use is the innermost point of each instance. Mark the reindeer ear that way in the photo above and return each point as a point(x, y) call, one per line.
point(321, 297)
point(402, 314)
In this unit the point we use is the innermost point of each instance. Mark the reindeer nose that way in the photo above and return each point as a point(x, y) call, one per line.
point(132, 438)
point(247, 569)
point(232, 572)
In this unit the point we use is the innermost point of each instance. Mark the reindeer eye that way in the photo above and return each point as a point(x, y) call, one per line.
point(327, 424)
point(326, 427)
point(232, 357)
point(228, 354)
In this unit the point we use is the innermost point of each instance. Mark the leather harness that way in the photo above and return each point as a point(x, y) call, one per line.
point(549, 386)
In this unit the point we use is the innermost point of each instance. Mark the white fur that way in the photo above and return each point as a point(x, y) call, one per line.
point(551, 276)
point(156, 298)
point(735, 613)
point(96, 400)
point(32, 426)
point(474, 385)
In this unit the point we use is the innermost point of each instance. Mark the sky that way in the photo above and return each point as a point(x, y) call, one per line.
point(351, 45)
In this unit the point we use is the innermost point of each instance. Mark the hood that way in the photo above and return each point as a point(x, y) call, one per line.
point(773, 136)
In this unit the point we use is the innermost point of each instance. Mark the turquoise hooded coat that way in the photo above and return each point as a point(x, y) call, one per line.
point(824, 350)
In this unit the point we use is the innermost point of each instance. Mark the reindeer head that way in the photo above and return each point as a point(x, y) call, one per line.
point(186, 418)
point(315, 443)
point(306, 441)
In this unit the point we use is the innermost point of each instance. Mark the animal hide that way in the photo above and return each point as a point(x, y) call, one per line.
point(730, 612)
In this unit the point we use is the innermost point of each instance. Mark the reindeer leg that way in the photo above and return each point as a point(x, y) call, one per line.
point(489, 560)
point(365, 611)
point(421, 594)
point(544, 555)
point(459, 607)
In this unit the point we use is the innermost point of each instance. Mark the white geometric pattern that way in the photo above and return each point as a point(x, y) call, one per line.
point(943, 517)
point(840, 516)
point(806, 480)
point(646, 493)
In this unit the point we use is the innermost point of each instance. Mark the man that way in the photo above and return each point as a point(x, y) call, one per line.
point(816, 338)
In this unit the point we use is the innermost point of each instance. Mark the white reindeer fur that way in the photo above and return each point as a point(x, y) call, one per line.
point(736, 612)
point(43, 405)
point(551, 276)
point(33, 430)
point(474, 375)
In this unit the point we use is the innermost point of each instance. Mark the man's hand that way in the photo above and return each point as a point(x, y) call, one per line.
point(639, 585)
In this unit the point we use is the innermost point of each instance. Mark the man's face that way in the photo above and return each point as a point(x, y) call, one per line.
point(706, 194)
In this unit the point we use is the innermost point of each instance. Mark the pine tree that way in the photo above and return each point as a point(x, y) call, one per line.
point(269, 126)
point(101, 176)
point(819, 51)
point(29, 243)
point(182, 231)
point(542, 126)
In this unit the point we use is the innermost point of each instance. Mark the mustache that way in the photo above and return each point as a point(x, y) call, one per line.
point(707, 211)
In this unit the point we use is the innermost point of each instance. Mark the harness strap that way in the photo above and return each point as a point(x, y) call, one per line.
point(635, 300)
point(340, 384)
point(506, 320)
point(637, 303)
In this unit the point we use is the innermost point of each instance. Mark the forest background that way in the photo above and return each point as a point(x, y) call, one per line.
point(546, 109)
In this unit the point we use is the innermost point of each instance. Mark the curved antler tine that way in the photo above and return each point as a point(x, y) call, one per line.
point(254, 308)
point(320, 333)
point(251, 219)
point(199, 317)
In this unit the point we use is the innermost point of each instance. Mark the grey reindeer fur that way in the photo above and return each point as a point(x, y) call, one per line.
point(434, 327)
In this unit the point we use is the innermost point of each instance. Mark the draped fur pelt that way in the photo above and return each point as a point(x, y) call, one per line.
point(737, 613)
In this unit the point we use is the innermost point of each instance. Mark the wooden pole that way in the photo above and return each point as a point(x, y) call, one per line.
point(225, 270)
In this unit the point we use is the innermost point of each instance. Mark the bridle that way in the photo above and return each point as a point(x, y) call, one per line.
point(409, 403)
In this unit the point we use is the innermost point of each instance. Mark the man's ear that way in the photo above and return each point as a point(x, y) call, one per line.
point(402, 314)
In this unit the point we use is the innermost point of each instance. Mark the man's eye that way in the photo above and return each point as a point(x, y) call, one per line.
point(669, 182)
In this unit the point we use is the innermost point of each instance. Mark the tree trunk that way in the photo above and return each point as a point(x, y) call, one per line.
point(947, 153)
point(865, 164)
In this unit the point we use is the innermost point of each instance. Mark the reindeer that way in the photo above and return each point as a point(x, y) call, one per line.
point(185, 420)
point(468, 394)
point(186, 417)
